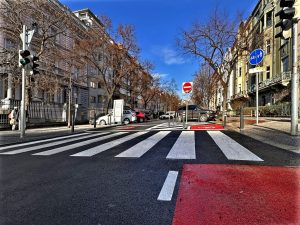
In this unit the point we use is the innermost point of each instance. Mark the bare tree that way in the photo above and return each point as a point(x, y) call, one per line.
point(211, 42)
point(112, 60)
point(169, 95)
point(203, 87)
point(53, 21)
point(148, 85)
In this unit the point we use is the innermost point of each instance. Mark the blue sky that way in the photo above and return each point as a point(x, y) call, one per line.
point(157, 25)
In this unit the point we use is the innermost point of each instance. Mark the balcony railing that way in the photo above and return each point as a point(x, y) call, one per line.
point(283, 78)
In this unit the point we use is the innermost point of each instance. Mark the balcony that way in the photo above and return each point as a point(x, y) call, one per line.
point(283, 79)
point(240, 95)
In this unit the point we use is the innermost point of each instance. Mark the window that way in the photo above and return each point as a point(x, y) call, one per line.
point(262, 24)
point(268, 47)
point(240, 88)
point(240, 71)
point(285, 64)
point(92, 84)
point(9, 44)
point(92, 99)
point(99, 84)
point(268, 73)
point(192, 107)
point(269, 19)
point(100, 98)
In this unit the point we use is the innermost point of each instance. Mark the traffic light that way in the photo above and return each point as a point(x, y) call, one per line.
point(24, 57)
point(34, 65)
point(286, 15)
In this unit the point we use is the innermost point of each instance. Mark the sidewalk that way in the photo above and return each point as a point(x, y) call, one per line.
point(272, 131)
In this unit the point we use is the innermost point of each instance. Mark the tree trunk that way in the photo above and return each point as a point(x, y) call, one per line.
point(225, 89)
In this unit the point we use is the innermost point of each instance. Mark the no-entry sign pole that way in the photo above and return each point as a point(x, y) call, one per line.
point(187, 88)
point(256, 70)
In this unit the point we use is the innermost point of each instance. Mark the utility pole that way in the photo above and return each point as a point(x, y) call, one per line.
point(22, 111)
point(295, 83)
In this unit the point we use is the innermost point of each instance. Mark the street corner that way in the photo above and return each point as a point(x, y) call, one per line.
point(237, 195)
point(207, 127)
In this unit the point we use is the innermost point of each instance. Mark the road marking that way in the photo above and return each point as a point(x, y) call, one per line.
point(36, 147)
point(168, 187)
point(231, 149)
point(184, 147)
point(108, 145)
point(165, 126)
point(76, 145)
point(142, 147)
point(40, 141)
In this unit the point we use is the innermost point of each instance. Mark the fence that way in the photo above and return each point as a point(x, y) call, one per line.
point(37, 112)
point(280, 110)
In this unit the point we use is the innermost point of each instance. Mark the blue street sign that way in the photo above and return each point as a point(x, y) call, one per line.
point(256, 56)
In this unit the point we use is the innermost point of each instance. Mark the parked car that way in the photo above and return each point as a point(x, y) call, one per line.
point(196, 113)
point(148, 114)
point(167, 115)
point(129, 116)
point(140, 116)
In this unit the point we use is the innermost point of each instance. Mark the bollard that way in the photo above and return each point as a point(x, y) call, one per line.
point(242, 118)
point(94, 119)
point(73, 121)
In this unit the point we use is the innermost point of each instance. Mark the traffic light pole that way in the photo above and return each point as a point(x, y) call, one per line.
point(22, 111)
point(294, 85)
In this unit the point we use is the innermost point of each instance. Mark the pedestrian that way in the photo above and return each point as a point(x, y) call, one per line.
point(14, 118)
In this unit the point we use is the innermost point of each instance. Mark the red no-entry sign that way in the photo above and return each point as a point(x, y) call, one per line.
point(187, 87)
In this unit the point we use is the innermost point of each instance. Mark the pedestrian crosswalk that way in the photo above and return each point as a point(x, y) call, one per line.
point(183, 145)
point(167, 126)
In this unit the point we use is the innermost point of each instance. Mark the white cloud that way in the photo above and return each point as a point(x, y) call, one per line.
point(160, 75)
point(171, 57)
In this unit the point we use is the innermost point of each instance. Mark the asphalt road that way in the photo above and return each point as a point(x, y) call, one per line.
point(103, 189)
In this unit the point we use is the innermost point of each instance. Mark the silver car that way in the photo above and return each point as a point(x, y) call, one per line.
point(128, 117)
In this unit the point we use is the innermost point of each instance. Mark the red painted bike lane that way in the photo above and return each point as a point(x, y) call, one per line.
point(238, 195)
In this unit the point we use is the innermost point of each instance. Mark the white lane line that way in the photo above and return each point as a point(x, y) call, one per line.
point(108, 145)
point(142, 147)
point(184, 147)
point(79, 144)
point(157, 126)
point(168, 187)
point(231, 149)
point(13, 152)
point(40, 141)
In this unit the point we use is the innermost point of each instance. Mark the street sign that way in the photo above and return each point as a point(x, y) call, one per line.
point(256, 70)
point(187, 87)
point(256, 56)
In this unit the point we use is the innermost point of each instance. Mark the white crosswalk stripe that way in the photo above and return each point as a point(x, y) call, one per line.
point(76, 145)
point(40, 141)
point(51, 144)
point(165, 126)
point(101, 148)
point(231, 149)
point(142, 147)
point(184, 147)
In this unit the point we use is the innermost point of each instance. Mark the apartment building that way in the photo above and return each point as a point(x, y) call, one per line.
point(274, 83)
point(65, 79)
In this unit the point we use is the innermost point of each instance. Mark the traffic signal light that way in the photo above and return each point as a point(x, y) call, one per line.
point(34, 65)
point(24, 57)
point(286, 15)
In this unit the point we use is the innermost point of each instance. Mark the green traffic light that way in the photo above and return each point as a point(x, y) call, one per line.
point(24, 61)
